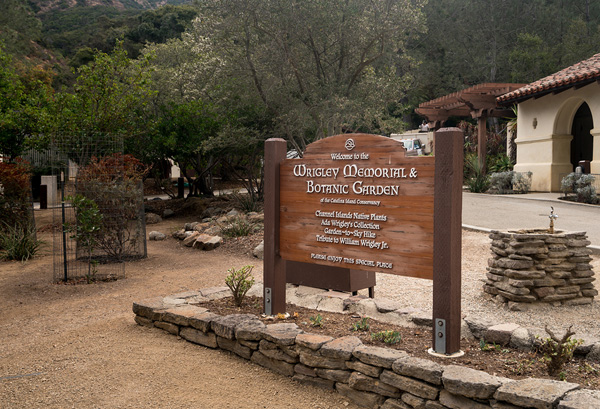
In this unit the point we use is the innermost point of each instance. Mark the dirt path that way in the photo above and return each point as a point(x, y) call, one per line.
point(64, 346)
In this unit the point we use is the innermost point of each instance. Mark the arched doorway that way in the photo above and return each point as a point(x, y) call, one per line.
point(583, 142)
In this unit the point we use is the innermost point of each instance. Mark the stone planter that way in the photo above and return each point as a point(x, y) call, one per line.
point(534, 266)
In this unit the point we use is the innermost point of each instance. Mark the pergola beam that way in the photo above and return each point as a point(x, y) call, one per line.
point(478, 102)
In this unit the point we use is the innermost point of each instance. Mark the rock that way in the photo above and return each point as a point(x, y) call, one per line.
point(190, 239)
point(369, 370)
point(206, 242)
point(459, 402)
point(233, 213)
point(168, 213)
point(203, 321)
point(314, 360)
point(413, 401)
point(396, 404)
point(366, 383)
point(470, 383)
point(271, 350)
point(582, 399)
point(340, 348)
point(500, 334)
point(213, 231)
point(318, 382)
point(422, 318)
point(156, 235)
point(153, 218)
point(312, 341)
point(365, 399)
point(594, 354)
point(249, 330)
point(305, 370)
point(478, 325)
point(521, 339)
point(377, 356)
point(225, 326)
point(281, 334)
point(259, 251)
point(417, 388)
point(180, 234)
point(384, 305)
point(190, 226)
point(167, 326)
point(181, 315)
point(214, 293)
point(419, 368)
point(199, 337)
point(536, 393)
point(337, 375)
point(151, 309)
point(280, 367)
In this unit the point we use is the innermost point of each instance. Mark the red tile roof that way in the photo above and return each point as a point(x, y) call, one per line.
point(579, 74)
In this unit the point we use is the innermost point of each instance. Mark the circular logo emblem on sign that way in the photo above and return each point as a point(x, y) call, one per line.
point(350, 144)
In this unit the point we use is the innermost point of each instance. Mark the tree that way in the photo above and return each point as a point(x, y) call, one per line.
point(23, 104)
point(319, 67)
point(182, 131)
point(111, 97)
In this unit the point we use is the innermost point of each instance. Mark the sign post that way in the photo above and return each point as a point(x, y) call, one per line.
point(448, 240)
point(357, 202)
point(274, 267)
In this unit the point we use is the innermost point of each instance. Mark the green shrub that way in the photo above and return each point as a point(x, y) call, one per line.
point(477, 180)
point(510, 182)
point(86, 229)
point(239, 282)
point(501, 182)
point(580, 184)
point(18, 243)
point(500, 163)
point(558, 351)
point(521, 182)
point(237, 227)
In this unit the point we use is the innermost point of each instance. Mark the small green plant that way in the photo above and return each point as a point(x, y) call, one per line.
point(557, 351)
point(316, 321)
point(239, 226)
point(239, 282)
point(362, 325)
point(86, 229)
point(18, 242)
point(389, 337)
point(501, 163)
point(477, 180)
point(520, 367)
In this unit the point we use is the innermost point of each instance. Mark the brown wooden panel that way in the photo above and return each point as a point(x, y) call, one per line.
point(322, 218)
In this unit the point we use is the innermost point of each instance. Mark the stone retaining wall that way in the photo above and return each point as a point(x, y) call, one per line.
point(530, 266)
point(372, 377)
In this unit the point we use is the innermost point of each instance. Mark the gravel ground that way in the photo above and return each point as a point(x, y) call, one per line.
point(417, 293)
point(64, 346)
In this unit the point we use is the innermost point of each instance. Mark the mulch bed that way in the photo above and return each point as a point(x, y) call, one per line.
point(493, 359)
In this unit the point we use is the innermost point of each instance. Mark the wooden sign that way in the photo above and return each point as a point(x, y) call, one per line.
point(356, 201)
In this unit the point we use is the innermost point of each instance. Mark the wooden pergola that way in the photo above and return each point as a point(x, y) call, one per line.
point(477, 102)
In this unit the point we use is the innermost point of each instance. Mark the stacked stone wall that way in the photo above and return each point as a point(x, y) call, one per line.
point(372, 377)
point(530, 266)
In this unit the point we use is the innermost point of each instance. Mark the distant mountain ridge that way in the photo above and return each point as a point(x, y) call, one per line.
point(43, 6)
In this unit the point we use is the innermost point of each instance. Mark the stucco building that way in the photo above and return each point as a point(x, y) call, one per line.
point(558, 123)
